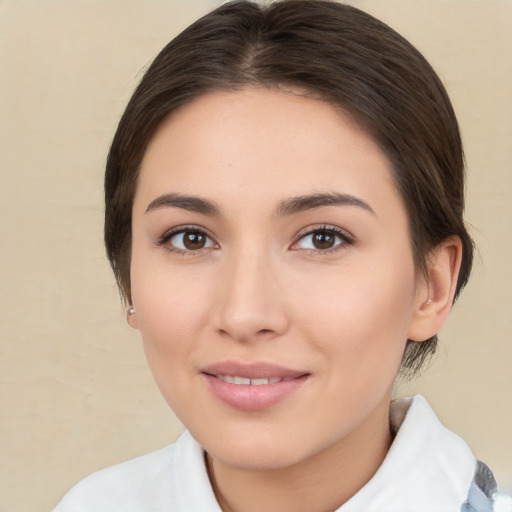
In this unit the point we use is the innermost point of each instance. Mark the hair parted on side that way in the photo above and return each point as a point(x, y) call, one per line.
point(335, 53)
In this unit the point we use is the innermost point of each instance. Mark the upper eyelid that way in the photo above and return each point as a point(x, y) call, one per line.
point(347, 239)
point(167, 235)
point(187, 227)
point(323, 227)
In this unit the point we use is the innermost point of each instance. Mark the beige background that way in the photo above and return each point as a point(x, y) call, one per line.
point(75, 393)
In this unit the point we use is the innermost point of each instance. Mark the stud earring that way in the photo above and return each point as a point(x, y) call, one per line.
point(131, 318)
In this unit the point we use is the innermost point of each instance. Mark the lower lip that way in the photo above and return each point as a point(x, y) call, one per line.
point(250, 397)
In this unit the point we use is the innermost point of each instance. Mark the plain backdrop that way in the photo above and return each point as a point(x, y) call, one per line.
point(75, 392)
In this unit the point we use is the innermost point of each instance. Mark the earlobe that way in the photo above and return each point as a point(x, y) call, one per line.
point(435, 295)
point(131, 317)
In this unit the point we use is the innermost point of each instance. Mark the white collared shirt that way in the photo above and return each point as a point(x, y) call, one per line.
point(427, 469)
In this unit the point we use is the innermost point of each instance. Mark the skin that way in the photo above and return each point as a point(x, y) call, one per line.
point(260, 291)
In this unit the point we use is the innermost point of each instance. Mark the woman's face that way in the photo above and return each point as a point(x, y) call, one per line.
point(272, 276)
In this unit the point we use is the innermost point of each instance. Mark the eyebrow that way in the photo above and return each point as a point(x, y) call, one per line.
point(310, 202)
point(190, 203)
point(287, 207)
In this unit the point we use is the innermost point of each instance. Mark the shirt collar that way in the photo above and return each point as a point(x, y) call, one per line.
point(427, 469)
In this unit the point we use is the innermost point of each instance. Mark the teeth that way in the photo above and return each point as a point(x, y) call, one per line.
point(246, 381)
point(259, 382)
point(241, 380)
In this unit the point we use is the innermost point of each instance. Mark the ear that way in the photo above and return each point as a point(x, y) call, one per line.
point(435, 291)
point(131, 317)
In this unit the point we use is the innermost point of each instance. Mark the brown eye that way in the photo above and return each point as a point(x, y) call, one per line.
point(193, 241)
point(323, 240)
point(188, 240)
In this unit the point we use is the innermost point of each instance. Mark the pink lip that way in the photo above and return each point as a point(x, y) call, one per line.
point(252, 370)
point(248, 397)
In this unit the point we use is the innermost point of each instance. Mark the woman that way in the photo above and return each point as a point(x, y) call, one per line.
point(284, 200)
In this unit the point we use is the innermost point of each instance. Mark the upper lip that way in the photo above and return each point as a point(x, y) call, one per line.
point(258, 370)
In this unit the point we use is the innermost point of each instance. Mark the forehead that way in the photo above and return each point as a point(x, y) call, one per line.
point(259, 145)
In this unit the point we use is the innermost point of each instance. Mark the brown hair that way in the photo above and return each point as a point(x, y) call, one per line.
point(339, 54)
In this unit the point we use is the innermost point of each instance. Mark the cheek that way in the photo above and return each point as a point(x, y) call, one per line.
point(361, 332)
point(172, 312)
point(360, 315)
point(172, 307)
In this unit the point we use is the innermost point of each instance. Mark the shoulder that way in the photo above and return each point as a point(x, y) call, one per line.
point(438, 465)
point(166, 479)
point(128, 482)
point(483, 493)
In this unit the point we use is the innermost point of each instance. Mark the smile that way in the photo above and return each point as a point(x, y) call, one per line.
point(252, 387)
point(245, 381)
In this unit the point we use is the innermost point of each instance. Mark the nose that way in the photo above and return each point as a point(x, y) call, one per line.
point(250, 303)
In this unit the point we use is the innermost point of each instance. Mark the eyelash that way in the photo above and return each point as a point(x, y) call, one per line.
point(165, 239)
point(345, 238)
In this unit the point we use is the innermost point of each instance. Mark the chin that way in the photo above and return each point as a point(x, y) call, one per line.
point(268, 451)
point(261, 459)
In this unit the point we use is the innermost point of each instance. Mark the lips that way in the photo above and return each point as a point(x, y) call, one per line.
point(253, 370)
point(252, 387)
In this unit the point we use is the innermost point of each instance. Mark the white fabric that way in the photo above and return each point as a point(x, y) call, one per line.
point(427, 469)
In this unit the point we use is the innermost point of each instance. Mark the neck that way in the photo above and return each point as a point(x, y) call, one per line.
point(321, 483)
